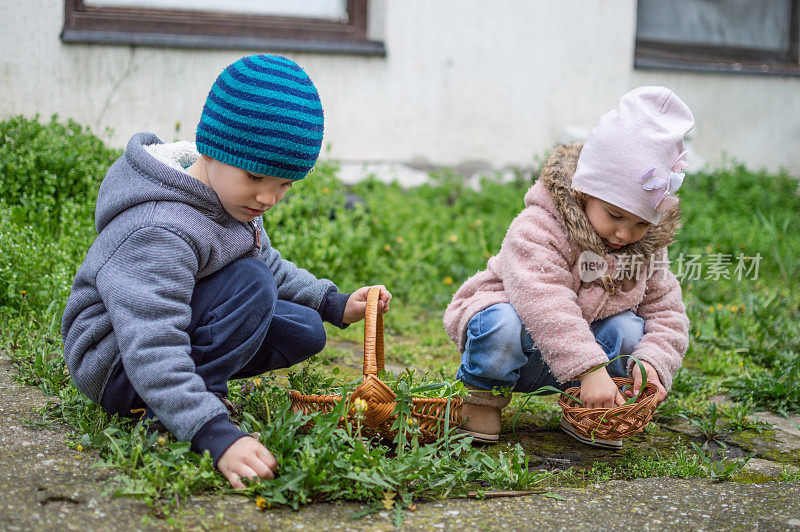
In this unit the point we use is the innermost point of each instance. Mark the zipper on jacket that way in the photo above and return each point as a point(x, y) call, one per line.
point(256, 235)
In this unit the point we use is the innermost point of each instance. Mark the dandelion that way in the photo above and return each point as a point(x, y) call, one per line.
point(711, 308)
point(479, 222)
point(387, 247)
point(325, 190)
point(261, 503)
point(413, 423)
point(360, 405)
point(453, 238)
point(23, 292)
point(400, 240)
point(79, 447)
point(448, 280)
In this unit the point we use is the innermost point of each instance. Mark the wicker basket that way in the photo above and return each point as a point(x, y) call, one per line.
point(379, 415)
point(610, 423)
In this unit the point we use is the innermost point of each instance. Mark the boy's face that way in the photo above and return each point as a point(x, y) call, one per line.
point(243, 194)
point(617, 227)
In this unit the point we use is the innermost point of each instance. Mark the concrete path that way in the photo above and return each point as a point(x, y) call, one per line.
point(44, 485)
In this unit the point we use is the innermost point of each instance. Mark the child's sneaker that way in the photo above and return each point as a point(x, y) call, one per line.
point(567, 427)
point(481, 414)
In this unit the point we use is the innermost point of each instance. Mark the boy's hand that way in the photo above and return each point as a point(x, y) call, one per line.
point(599, 391)
point(652, 376)
point(357, 304)
point(246, 458)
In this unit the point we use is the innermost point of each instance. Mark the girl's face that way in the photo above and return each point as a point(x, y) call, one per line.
point(617, 227)
point(243, 194)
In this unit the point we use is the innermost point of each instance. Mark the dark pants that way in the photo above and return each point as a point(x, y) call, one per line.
point(239, 328)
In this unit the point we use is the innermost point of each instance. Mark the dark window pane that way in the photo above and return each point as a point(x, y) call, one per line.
point(759, 25)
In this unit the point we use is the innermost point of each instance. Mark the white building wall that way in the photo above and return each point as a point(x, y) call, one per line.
point(491, 84)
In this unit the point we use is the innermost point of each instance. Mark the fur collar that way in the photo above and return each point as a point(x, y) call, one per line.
point(178, 155)
point(556, 176)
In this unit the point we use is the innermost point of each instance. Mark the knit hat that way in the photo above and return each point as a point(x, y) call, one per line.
point(263, 114)
point(634, 157)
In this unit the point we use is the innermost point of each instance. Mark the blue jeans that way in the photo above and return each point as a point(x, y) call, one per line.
point(239, 328)
point(499, 352)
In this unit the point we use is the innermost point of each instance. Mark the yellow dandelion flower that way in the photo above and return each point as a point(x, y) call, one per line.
point(387, 247)
point(478, 222)
point(23, 292)
point(709, 249)
point(360, 405)
point(79, 447)
point(399, 239)
point(261, 502)
point(325, 190)
point(448, 280)
point(453, 238)
point(711, 308)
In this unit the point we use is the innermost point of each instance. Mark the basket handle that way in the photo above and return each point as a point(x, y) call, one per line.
point(373, 334)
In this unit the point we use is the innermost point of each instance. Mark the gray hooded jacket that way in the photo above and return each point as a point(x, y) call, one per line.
point(160, 230)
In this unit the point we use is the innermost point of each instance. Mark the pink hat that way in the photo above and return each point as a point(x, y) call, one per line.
point(634, 157)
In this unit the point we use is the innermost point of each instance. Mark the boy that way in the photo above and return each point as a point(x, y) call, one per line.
point(181, 291)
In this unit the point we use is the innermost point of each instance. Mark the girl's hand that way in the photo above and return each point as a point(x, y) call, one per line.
point(652, 376)
point(246, 458)
point(357, 304)
point(599, 391)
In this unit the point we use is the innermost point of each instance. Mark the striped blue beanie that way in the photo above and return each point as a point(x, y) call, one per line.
point(263, 115)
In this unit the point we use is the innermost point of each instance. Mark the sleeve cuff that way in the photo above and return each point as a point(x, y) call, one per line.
point(332, 307)
point(216, 435)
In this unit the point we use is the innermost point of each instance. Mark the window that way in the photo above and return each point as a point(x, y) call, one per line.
point(719, 35)
point(331, 26)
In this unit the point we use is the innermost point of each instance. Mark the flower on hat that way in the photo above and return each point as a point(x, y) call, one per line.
point(669, 184)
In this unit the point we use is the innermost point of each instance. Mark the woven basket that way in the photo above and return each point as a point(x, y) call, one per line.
point(379, 415)
point(610, 423)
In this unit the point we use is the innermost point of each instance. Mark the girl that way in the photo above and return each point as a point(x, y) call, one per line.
point(583, 275)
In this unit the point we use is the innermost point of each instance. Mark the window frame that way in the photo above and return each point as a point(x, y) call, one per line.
point(203, 29)
point(727, 59)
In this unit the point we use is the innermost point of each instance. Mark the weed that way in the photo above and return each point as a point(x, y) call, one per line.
point(723, 469)
point(706, 423)
point(789, 475)
point(738, 418)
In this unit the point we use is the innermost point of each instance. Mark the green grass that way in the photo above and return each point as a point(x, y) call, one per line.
point(422, 243)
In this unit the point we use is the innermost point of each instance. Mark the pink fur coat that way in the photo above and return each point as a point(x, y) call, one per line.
point(537, 271)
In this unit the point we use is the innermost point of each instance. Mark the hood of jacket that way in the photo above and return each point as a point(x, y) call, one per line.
point(556, 176)
point(150, 170)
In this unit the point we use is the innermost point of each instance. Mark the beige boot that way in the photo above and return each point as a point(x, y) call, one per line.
point(481, 414)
